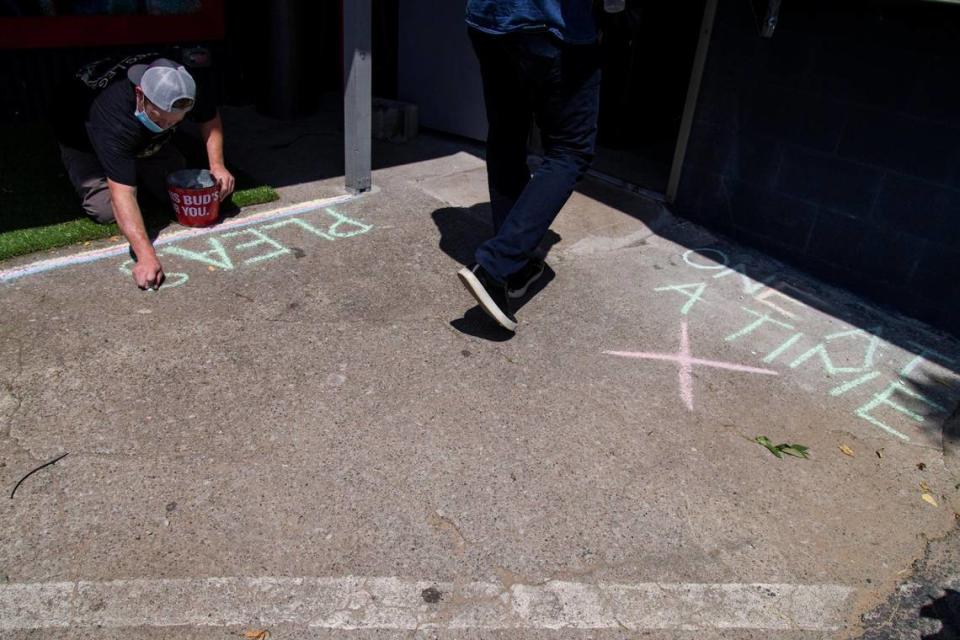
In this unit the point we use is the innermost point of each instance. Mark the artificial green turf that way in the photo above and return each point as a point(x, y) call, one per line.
point(38, 208)
point(254, 195)
point(23, 241)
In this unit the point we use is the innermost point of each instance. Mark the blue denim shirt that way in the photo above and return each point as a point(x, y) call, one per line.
point(570, 20)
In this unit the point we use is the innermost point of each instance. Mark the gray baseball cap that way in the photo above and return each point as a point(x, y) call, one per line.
point(164, 82)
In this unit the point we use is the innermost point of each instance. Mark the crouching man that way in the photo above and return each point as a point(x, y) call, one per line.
point(114, 123)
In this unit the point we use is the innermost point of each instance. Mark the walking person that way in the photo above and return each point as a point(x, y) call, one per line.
point(540, 62)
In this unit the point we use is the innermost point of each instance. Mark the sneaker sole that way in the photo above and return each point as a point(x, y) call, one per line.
point(473, 285)
point(522, 291)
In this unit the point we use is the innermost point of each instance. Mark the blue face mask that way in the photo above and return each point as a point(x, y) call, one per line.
point(147, 122)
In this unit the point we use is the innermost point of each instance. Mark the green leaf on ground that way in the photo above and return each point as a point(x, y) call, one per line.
point(795, 450)
point(765, 441)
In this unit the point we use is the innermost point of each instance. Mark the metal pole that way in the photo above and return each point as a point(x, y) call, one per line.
point(358, 93)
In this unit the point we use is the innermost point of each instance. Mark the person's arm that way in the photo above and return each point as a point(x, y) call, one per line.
point(212, 132)
point(147, 272)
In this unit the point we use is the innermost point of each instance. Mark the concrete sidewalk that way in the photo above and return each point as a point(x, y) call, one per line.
point(311, 430)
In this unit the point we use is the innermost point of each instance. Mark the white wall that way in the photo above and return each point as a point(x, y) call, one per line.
point(437, 69)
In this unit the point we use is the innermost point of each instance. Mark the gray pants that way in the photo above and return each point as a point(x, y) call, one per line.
point(90, 180)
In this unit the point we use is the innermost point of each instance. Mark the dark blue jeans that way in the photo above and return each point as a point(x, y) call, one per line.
point(527, 77)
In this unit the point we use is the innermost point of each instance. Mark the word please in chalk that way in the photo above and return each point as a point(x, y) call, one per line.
point(260, 244)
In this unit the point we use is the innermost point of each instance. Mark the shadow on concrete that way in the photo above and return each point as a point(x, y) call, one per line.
point(924, 604)
point(295, 152)
point(307, 150)
point(285, 153)
point(462, 230)
point(940, 390)
point(946, 609)
point(478, 324)
point(37, 192)
point(926, 394)
point(717, 254)
point(951, 441)
point(158, 214)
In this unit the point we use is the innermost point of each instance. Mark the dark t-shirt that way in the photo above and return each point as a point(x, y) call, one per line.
point(95, 113)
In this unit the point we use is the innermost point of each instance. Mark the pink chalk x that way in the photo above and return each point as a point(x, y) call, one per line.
point(685, 361)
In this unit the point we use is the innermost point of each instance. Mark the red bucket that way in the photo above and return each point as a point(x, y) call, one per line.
point(195, 197)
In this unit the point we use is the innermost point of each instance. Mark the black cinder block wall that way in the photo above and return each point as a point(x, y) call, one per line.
point(835, 146)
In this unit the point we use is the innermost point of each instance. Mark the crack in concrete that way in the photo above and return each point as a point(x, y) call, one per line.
point(9, 388)
point(671, 596)
point(7, 414)
point(609, 609)
point(509, 580)
point(790, 615)
point(442, 523)
point(698, 538)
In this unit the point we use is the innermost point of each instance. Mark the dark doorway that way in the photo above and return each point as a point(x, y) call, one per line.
point(648, 53)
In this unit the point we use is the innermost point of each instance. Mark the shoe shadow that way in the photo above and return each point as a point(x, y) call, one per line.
point(475, 322)
point(551, 238)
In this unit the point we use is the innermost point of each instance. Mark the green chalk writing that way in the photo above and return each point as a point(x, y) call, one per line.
point(762, 318)
point(171, 279)
point(703, 250)
point(216, 257)
point(883, 398)
point(342, 220)
point(303, 224)
point(821, 351)
point(920, 357)
point(693, 296)
point(261, 238)
point(853, 384)
point(773, 355)
point(750, 286)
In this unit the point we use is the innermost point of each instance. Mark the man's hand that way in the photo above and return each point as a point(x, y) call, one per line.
point(212, 133)
point(148, 273)
point(224, 180)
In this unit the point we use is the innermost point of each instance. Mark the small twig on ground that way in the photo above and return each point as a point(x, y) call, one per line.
point(45, 464)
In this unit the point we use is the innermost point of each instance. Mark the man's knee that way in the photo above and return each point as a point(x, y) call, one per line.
point(89, 180)
point(575, 159)
point(97, 205)
point(584, 157)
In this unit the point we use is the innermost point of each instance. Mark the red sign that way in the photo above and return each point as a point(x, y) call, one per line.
point(203, 23)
